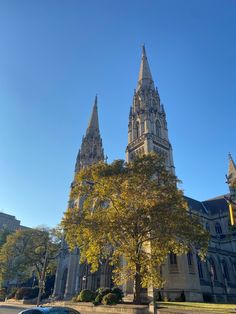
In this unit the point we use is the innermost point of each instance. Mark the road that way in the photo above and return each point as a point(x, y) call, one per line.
point(10, 309)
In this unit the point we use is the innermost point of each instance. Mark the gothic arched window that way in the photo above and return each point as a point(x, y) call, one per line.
point(218, 228)
point(158, 128)
point(207, 227)
point(225, 269)
point(190, 262)
point(173, 259)
point(213, 269)
point(190, 258)
point(137, 129)
point(199, 266)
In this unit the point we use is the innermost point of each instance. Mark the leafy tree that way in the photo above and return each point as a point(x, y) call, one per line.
point(3, 235)
point(132, 212)
point(28, 250)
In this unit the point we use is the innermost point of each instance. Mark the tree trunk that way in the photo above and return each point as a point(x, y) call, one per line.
point(137, 285)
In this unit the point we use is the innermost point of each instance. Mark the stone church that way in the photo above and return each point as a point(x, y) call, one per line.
point(211, 280)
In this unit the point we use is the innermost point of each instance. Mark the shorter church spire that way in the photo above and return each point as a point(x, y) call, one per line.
point(145, 76)
point(231, 170)
point(91, 150)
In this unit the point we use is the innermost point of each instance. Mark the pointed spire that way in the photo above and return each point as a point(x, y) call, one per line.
point(232, 169)
point(93, 123)
point(145, 76)
point(91, 148)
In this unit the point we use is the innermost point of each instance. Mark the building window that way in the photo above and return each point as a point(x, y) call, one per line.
point(190, 262)
point(173, 263)
point(137, 129)
point(234, 266)
point(213, 273)
point(158, 129)
point(173, 259)
point(207, 227)
point(225, 269)
point(199, 266)
point(218, 228)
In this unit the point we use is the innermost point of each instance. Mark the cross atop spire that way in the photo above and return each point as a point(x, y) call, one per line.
point(145, 76)
point(93, 123)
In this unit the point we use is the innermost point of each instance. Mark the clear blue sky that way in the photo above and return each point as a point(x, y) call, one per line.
point(55, 55)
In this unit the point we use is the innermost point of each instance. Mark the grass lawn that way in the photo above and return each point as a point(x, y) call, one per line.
point(211, 307)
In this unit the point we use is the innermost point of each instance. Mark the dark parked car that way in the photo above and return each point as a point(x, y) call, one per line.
point(50, 310)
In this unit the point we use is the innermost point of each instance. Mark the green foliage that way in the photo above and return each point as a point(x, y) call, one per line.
point(134, 212)
point(3, 294)
point(26, 293)
point(3, 235)
point(110, 299)
point(100, 293)
point(103, 291)
point(86, 296)
point(98, 299)
point(24, 251)
point(118, 292)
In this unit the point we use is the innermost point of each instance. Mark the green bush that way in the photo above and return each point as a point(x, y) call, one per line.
point(103, 291)
point(118, 292)
point(110, 299)
point(86, 296)
point(26, 293)
point(98, 299)
point(3, 294)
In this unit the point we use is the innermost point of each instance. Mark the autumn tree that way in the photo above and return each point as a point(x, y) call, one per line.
point(132, 211)
point(27, 250)
point(4, 233)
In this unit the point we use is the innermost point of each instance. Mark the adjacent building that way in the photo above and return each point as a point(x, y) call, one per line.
point(9, 222)
point(212, 280)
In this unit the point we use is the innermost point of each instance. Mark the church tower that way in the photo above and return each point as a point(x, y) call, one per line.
point(147, 129)
point(91, 148)
point(70, 273)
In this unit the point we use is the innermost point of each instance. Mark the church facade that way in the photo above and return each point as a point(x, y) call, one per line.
point(211, 280)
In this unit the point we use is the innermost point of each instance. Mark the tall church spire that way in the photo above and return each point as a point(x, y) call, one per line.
point(232, 167)
point(145, 76)
point(231, 178)
point(93, 123)
point(91, 150)
point(147, 130)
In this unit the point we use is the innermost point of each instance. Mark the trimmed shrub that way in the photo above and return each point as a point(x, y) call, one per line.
point(118, 292)
point(110, 299)
point(103, 291)
point(98, 299)
point(86, 296)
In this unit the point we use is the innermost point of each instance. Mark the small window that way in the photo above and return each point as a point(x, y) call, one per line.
point(218, 228)
point(190, 262)
point(173, 259)
point(173, 266)
point(199, 266)
point(207, 227)
point(213, 273)
point(225, 269)
point(190, 258)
